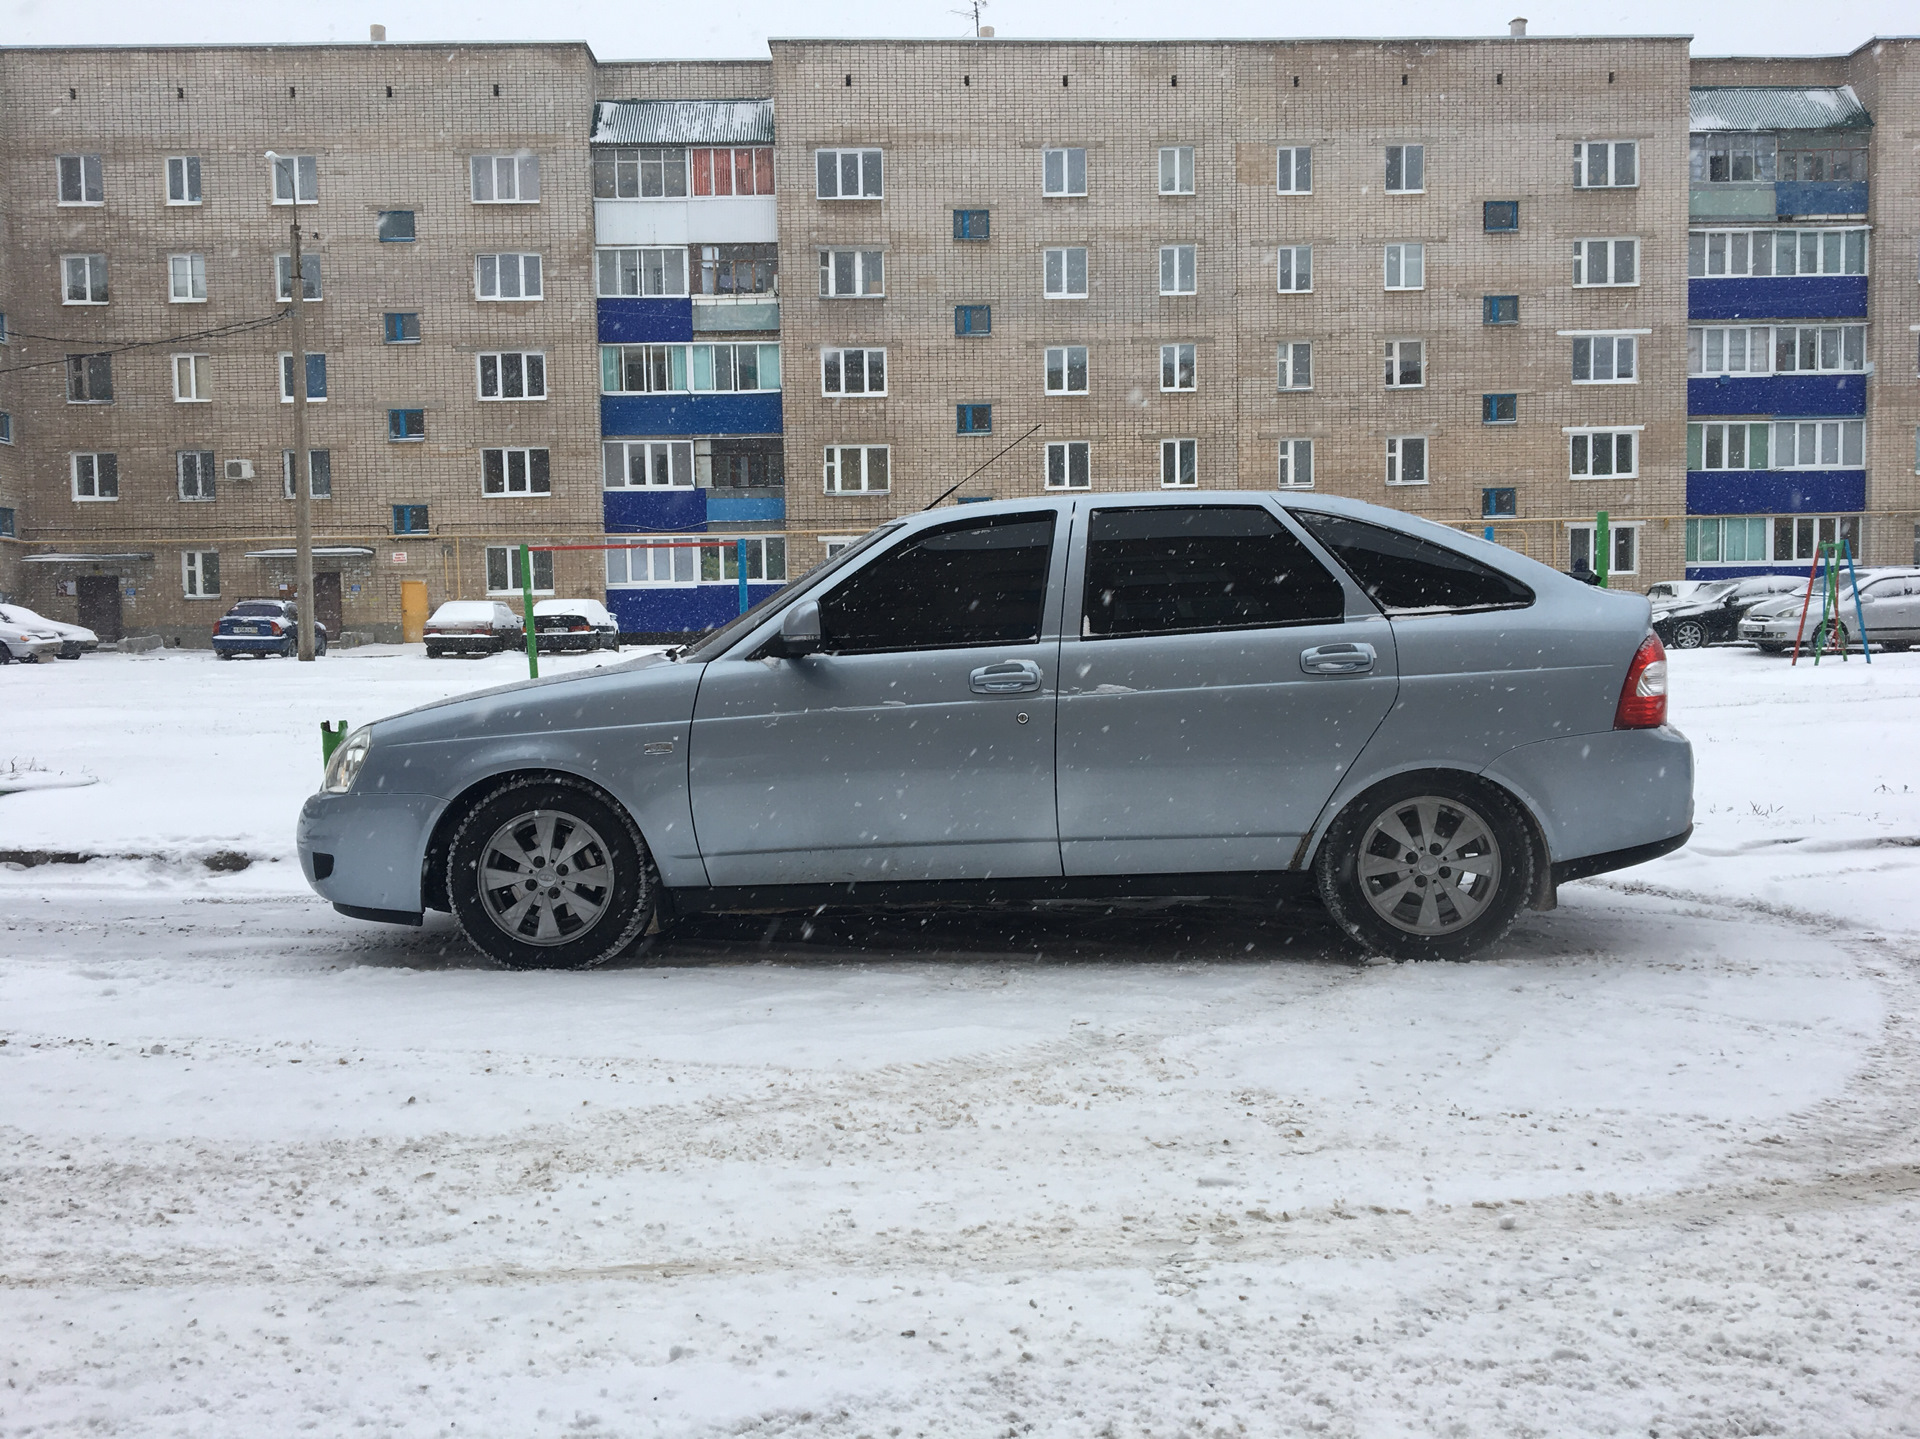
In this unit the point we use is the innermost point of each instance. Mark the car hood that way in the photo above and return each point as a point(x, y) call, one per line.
point(479, 700)
point(1774, 606)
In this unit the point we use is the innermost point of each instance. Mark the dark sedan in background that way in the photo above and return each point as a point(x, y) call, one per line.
point(264, 627)
point(1711, 614)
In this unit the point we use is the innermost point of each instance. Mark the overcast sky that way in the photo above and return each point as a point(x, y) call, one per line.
point(739, 28)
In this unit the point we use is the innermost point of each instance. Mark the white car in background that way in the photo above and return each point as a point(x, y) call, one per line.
point(75, 640)
point(1889, 602)
point(483, 627)
point(26, 644)
point(574, 625)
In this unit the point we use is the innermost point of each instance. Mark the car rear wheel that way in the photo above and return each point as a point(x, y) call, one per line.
point(434, 652)
point(1426, 867)
point(1689, 635)
point(546, 874)
point(1773, 649)
point(1830, 636)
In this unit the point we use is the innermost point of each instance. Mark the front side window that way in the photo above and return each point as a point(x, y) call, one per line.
point(1177, 270)
point(735, 269)
point(79, 180)
point(1403, 573)
point(510, 277)
point(648, 464)
point(406, 425)
point(1296, 364)
point(516, 471)
point(1176, 367)
point(316, 378)
point(95, 476)
point(1065, 273)
point(1406, 266)
point(1176, 170)
point(848, 174)
point(1179, 464)
point(506, 179)
point(401, 327)
point(513, 375)
point(645, 172)
point(732, 170)
point(1406, 169)
point(853, 372)
point(194, 472)
point(1295, 273)
point(1728, 159)
point(296, 180)
point(1606, 164)
point(395, 226)
point(89, 379)
point(503, 570)
point(973, 419)
point(84, 279)
point(1606, 262)
point(1406, 459)
point(1194, 569)
point(858, 470)
point(1066, 370)
point(967, 584)
point(851, 274)
point(1296, 464)
point(1406, 364)
point(1063, 172)
point(1595, 454)
point(1069, 465)
point(200, 574)
point(310, 286)
point(319, 474)
point(1605, 360)
point(183, 179)
point(1293, 170)
point(186, 279)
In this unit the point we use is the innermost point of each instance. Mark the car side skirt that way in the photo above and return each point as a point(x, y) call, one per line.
point(380, 916)
point(1271, 885)
point(1591, 864)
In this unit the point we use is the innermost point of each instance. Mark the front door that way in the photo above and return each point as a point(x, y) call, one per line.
point(919, 744)
point(1221, 683)
point(413, 611)
point(100, 606)
point(326, 602)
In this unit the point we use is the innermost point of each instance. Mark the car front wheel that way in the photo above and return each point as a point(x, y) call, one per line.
point(1830, 637)
point(1689, 635)
point(1426, 867)
point(546, 874)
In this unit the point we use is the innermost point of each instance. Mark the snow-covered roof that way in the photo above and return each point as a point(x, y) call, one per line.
point(1777, 107)
point(683, 122)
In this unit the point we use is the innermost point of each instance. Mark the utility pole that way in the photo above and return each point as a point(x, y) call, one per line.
point(302, 475)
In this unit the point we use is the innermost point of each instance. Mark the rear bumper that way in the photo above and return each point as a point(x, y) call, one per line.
point(1611, 793)
point(468, 642)
point(1592, 864)
point(251, 644)
point(31, 650)
point(364, 851)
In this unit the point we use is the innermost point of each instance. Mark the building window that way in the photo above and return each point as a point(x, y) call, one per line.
point(319, 474)
point(1295, 269)
point(1819, 444)
point(1743, 540)
point(1594, 454)
point(406, 425)
point(1406, 266)
point(1499, 309)
point(858, 470)
point(647, 464)
point(1179, 464)
point(316, 378)
point(1498, 217)
point(1407, 460)
point(85, 279)
point(1797, 538)
point(1499, 409)
point(972, 225)
point(732, 170)
point(1712, 253)
point(1065, 273)
point(1294, 170)
point(1176, 170)
point(1827, 163)
point(1406, 364)
point(401, 327)
point(650, 272)
point(183, 179)
point(1730, 349)
point(513, 375)
point(972, 320)
point(410, 520)
point(1502, 503)
point(1625, 542)
point(515, 471)
point(200, 574)
point(735, 269)
point(80, 180)
point(1798, 349)
point(1605, 360)
point(973, 419)
point(296, 180)
point(673, 560)
point(395, 225)
point(6, 428)
point(735, 368)
point(1063, 172)
point(1069, 465)
point(191, 380)
point(1296, 364)
point(1606, 164)
point(89, 379)
point(8, 529)
point(1177, 268)
point(503, 570)
point(1606, 262)
point(1066, 370)
point(853, 372)
point(3, 327)
point(95, 476)
point(1721, 446)
point(512, 276)
point(506, 179)
point(186, 279)
point(195, 473)
point(1406, 169)
point(310, 287)
point(848, 174)
point(849, 274)
point(643, 369)
point(1176, 368)
point(1296, 464)
point(1732, 159)
point(643, 172)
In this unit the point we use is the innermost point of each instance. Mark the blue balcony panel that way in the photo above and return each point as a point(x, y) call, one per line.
point(629, 512)
point(1799, 396)
point(747, 510)
point(1776, 492)
point(704, 414)
point(633, 322)
point(1820, 197)
point(1778, 297)
point(1745, 572)
point(676, 610)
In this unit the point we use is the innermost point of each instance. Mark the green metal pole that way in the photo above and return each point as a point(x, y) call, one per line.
point(526, 600)
point(1602, 547)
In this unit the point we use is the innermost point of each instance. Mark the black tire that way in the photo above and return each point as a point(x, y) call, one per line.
point(6, 655)
point(1689, 635)
point(1454, 803)
point(626, 903)
point(1773, 648)
point(1822, 633)
point(434, 652)
point(223, 654)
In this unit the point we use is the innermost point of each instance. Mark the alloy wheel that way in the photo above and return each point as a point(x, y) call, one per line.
point(545, 877)
point(1429, 865)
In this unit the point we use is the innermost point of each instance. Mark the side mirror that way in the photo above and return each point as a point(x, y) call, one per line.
point(799, 631)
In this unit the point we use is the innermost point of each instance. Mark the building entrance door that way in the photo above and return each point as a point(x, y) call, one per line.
point(100, 606)
point(413, 611)
point(326, 603)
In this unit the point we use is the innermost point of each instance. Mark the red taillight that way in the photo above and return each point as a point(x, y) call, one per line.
point(1643, 698)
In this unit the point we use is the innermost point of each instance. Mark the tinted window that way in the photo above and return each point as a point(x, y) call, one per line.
point(257, 607)
point(1173, 570)
point(1403, 572)
point(978, 582)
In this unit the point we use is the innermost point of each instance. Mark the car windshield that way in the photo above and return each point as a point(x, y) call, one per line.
point(258, 607)
point(711, 644)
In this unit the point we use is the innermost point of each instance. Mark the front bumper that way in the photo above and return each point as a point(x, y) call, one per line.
point(364, 851)
point(1770, 631)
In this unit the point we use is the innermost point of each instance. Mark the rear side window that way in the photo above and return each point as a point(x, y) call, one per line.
point(977, 582)
point(1404, 574)
point(1169, 569)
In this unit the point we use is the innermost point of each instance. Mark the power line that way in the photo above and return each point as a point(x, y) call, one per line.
point(238, 327)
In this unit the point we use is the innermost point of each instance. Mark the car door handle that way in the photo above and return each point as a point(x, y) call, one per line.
point(1015, 677)
point(1340, 659)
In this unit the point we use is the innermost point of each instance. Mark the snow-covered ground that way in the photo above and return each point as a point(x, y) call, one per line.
point(1653, 1168)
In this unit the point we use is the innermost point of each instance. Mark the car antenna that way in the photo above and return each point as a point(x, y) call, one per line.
point(956, 485)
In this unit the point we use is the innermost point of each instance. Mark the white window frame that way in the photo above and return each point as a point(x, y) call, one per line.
point(295, 179)
point(1412, 159)
point(1395, 353)
point(1397, 451)
point(862, 261)
point(192, 268)
point(206, 485)
point(658, 272)
point(1177, 161)
point(1294, 365)
point(1582, 255)
point(1820, 529)
point(1293, 264)
point(833, 360)
point(1057, 165)
point(1179, 256)
point(1061, 456)
point(1404, 265)
point(835, 460)
point(93, 475)
point(284, 367)
point(93, 278)
point(760, 367)
point(1717, 525)
point(1582, 448)
point(532, 362)
point(1824, 238)
point(1298, 165)
point(1755, 341)
point(1064, 367)
point(511, 554)
point(1615, 345)
point(1608, 154)
point(677, 453)
point(1171, 357)
point(1296, 459)
point(1845, 435)
point(520, 259)
point(1744, 253)
point(491, 176)
point(1180, 459)
point(310, 278)
point(1056, 272)
point(319, 487)
point(193, 574)
point(1725, 430)
point(191, 379)
point(88, 171)
point(1851, 358)
point(1615, 530)
point(525, 454)
point(670, 358)
point(833, 162)
point(673, 563)
point(186, 168)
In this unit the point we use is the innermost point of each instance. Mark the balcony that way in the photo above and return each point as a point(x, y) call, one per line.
point(755, 412)
point(1777, 297)
point(1815, 396)
point(1795, 199)
point(1733, 202)
point(1776, 492)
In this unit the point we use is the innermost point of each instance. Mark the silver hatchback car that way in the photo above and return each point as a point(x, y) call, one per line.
point(1053, 699)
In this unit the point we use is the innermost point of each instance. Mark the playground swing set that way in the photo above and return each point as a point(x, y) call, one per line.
point(1830, 633)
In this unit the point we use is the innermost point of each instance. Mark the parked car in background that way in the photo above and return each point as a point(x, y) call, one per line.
point(1711, 614)
point(263, 628)
point(1666, 592)
point(25, 643)
point(1053, 698)
point(483, 627)
point(1889, 603)
point(574, 625)
point(75, 640)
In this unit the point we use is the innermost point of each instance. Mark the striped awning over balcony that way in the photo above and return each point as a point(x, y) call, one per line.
point(683, 122)
point(1777, 107)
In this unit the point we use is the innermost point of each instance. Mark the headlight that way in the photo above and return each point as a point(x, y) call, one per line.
point(344, 768)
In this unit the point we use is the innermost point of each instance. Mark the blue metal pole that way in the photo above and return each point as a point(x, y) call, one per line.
point(740, 553)
point(1489, 532)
